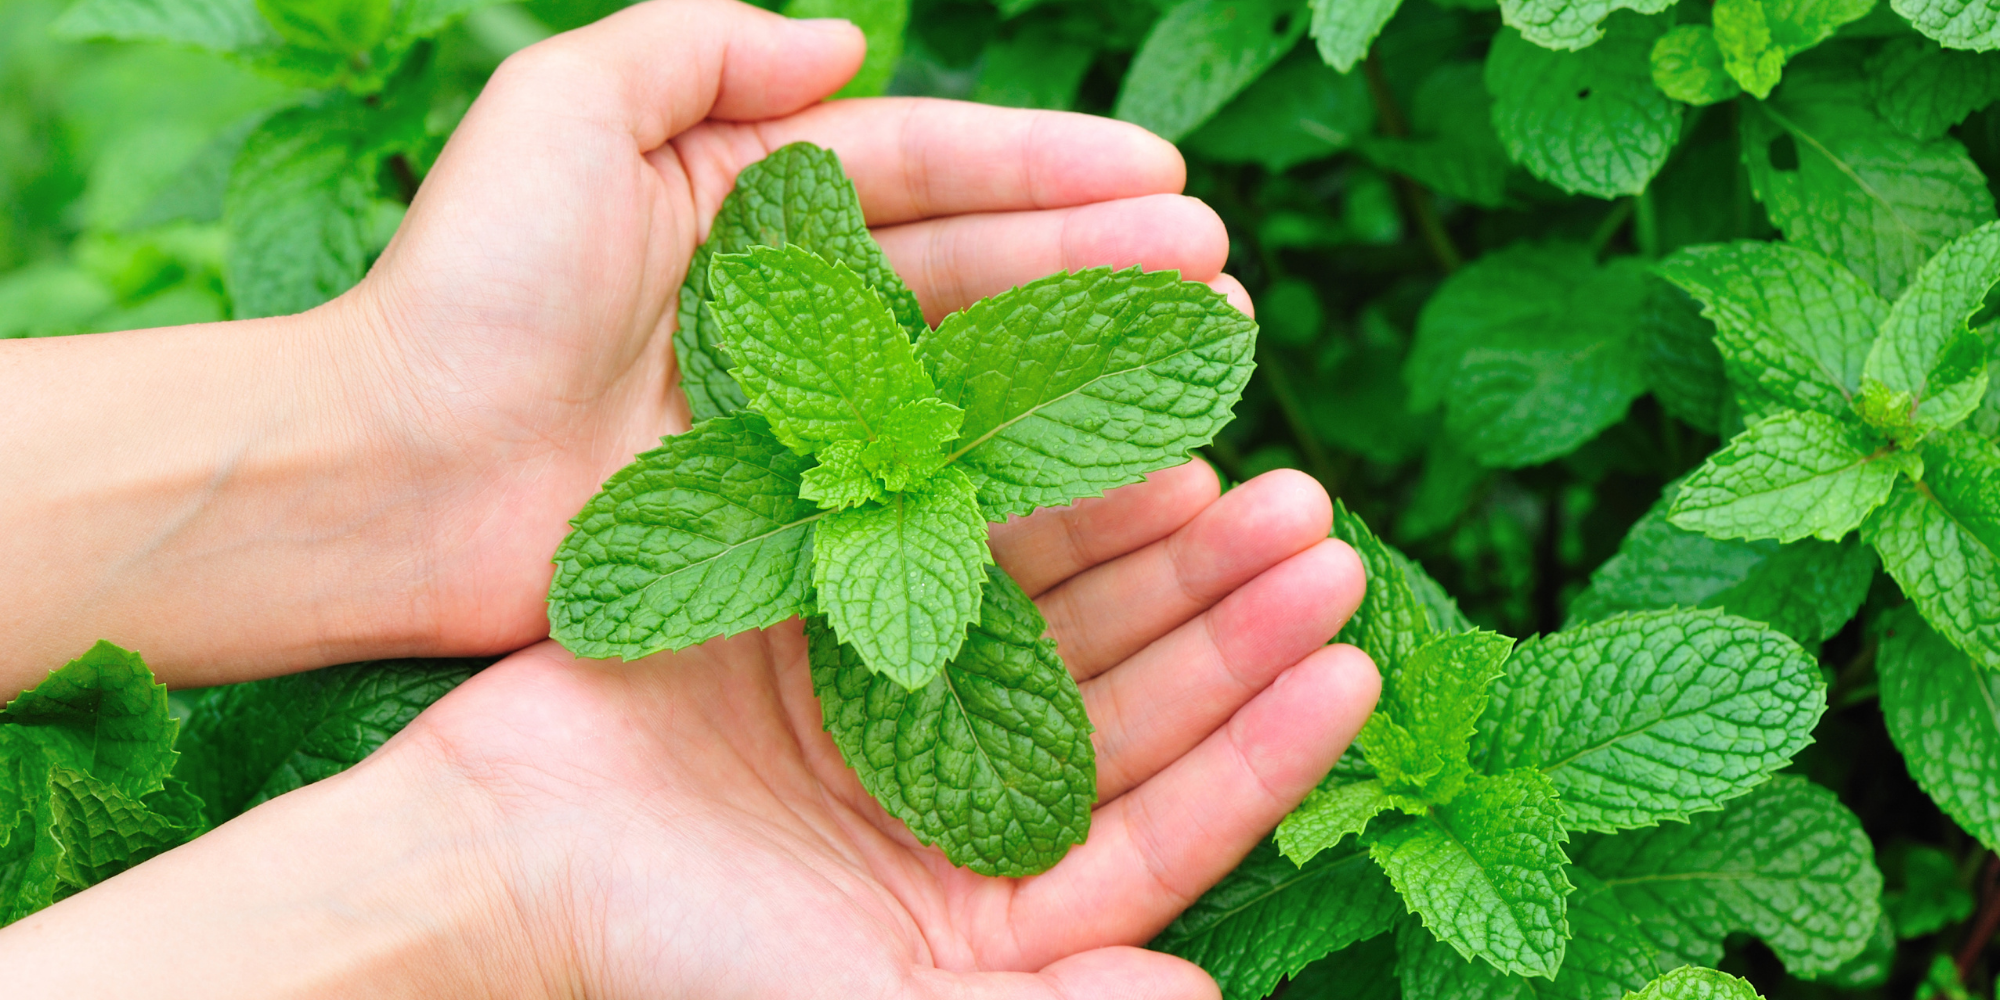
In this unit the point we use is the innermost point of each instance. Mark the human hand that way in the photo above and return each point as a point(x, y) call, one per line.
point(523, 317)
point(682, 826)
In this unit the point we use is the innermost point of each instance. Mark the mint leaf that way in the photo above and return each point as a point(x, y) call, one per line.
point(1787, 863)
point(104, 831)
point(1925, 90)
point(1837, 178)
point(817, 351)
point(1943, 711)
point(1930, 896)
point(334, 26)
point(1343, 31)
point(1686, 372)
point(1200, 54)
point(1270, 917)
point(1807, 589)
point(29, 850)
point(1794, 327)
point(104, 715)
point(1077, 383)
point(1687, 66)
point(882, 21)
point(221, 25)
point(300, 209)
point(1568, 24)
point(1793, 475)
point(1941, 541)
point(1365, 971)
point(1589, 122)
point(1953, 23)
point(1040, 67)
point(1330, 814)
point(1452, 147)
point(1486, 872)
point(1429, 968)
point(991, 760)
point(1926, 354)
point(796, 195)
point(1691, 983)
point(1756, 37)
point(1532, 350)
point(1391, 622)
point(247, 743)
point(900, 580)
point(1418, 737)
point(1299, 111)
point(1653, 716)
point(701, 537)
point(1606, 956)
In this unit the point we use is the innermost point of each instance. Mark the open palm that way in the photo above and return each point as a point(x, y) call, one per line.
point(685, 819)
point(523, 316)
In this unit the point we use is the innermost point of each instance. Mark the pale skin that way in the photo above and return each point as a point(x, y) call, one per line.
point(388, 474)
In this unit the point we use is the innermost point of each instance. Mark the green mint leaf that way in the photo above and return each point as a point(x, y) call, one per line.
point(1653, 716)
point(104, 715)
point(1200, 54)
point(1688, 67)
point(1391, 621)
point(1429, 968)
point(1607, 955)
point(29, 850)
point(1080, 382)
point(1787, 863)
point(1440, 610)
point(704, 536)
point(1925, 90)
point(1040, 67)
point(1930, 896)
point(1299, 111)
point(991, 760)
point(1589, 122)
point(1943, 711)
point(1797, 474)
point(881, 21)
point(1532, 351)
point(300, 209)
point(221, 25)
point(335, 26)
point(1807, 589)
point(1329, 815)
point(247, 743)
point(1757, 36)
point(1452, 148)
point(909, 445)
point(840, 480)
point(1953, 24)
point(1941, 541)
point(1568, 24)
point(1872, 966)
point(1344, 31)
point(424, 18)
point(1691, 983)
point(1794, 327)
point(1486, 872)
point(817, 351)
point(796, 195)
point(1365, 971)
point(1268, 918)
point(104, 831)
point(1926, 356)
point(1685, 369)
point(900, 580)
point(1439, 695)
point(1837, 178)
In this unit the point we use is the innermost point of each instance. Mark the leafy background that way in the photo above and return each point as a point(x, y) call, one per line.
point(1451, 245)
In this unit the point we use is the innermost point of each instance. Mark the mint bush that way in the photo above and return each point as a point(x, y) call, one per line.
point(1656, 334)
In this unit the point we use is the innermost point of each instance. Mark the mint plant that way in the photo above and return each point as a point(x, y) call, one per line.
point(1568, 817)
point(842, 471)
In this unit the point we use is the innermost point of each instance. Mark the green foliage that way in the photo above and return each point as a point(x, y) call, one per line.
point(882, 21)
point(1589, 122)
point(1201, 54)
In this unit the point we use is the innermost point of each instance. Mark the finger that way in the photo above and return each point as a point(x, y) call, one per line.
point(1119, 973)
point(1106, 614)
point(1155, 707)
point(655, 69)
point(1055, 543)
point(955, 261)
point(1234, 291)
point(1155, 850)
point(920, 158)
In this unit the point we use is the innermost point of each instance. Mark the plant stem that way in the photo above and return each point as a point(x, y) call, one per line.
point(1317, 461)
point(1614, 220)
point(1984, 923)
point(1646, 224)
point(1416, 197)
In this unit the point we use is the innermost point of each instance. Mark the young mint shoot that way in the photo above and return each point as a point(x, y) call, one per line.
point(844, 464)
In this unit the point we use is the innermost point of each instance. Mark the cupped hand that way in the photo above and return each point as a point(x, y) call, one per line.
point(519, 327)
point(682, 826)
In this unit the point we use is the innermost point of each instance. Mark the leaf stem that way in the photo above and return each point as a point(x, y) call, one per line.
point(1646, 224)
point(1614, 220)
point(1986, 922)
point(1317, 461)
point(1422, 207)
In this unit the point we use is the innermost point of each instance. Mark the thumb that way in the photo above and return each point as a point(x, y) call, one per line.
point(1104, 974)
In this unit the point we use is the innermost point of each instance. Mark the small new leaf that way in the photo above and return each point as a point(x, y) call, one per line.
point(1796, 474)
point(1331, 814)
point(1941, 541)
point(1687, 66)
point(1929, 363)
